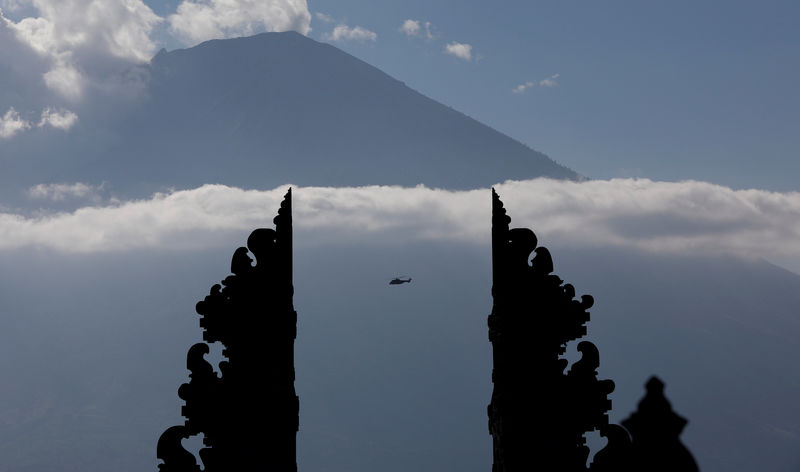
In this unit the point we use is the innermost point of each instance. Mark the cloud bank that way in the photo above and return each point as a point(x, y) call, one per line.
point(665, 217)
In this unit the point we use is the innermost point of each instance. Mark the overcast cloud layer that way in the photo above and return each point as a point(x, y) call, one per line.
point(636, 213)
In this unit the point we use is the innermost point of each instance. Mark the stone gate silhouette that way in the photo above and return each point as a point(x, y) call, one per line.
point(538, 414)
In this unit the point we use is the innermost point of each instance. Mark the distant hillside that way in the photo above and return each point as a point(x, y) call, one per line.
point(270, 109)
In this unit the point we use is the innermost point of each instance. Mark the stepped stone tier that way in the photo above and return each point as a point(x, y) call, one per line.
point(539, 413)
point(248, 413)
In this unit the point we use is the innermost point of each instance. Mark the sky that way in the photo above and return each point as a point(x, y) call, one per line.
point(666, 91)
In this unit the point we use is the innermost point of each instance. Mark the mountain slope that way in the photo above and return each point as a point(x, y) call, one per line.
point(281, 107)
point(276, 108)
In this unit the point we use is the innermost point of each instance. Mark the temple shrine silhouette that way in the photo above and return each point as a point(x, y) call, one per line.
point(538, 415)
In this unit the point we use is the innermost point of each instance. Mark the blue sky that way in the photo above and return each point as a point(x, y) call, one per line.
point(664, 90)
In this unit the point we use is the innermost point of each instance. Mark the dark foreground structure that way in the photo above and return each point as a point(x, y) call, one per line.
point(539, 414)
point(248, 415)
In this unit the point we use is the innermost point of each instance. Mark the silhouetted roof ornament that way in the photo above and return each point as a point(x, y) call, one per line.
point(655, 430)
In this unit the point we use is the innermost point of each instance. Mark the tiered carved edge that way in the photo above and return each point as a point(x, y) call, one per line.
point(247, 413)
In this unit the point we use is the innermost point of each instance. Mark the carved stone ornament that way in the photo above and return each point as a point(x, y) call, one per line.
point(248, 413)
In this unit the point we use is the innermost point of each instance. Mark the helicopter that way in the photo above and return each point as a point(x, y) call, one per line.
point(400, 280)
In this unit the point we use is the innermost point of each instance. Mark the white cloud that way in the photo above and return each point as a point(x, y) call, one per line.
point(65, 79)
point(80, 37)
point(122, 27)
point(547, 82)
point(415, 28)
point(61, 119)
point(410, 27)
point(61, 192)
point(460, 50)
point(11, 123)
point(428, 33)
point(667, 217)
point(522, 87)
point(550, 81)
point(201, 20)
point(324, 18)
point(345, 33)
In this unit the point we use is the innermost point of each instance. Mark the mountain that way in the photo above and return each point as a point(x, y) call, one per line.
point(269, 109)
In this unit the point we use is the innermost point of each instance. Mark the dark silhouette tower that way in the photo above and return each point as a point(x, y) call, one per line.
point(538, 413)
point(655, 430)
point(248, 415)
